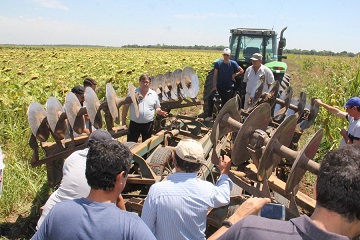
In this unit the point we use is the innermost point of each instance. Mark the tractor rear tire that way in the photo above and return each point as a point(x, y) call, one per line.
point(208, 86)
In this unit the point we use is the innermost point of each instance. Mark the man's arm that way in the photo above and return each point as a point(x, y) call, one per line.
point(161, 112)
point(223, 186)
point(124, 114)
point(249, 207)
point(331, 109)
point(269, 78)
point(238, 72)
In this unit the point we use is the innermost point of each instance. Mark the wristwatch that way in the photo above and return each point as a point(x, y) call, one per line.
point(226, 223)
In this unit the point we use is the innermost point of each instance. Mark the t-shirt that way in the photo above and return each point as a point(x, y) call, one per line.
point(84, 219)
point(251, 78)
point(73, 183)
point(353, 130)
point(147, 107)
point(301, 228)
point(225, 72)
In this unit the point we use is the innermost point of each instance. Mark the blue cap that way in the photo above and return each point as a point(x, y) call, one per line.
point(353, 102)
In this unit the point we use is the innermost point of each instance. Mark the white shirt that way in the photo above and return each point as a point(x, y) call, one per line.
point(147, 107)
point(177, 208)
point(73, 184)
point(252, 78)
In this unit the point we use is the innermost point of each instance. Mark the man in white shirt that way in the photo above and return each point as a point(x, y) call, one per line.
point(253, 74)
point(177, 208)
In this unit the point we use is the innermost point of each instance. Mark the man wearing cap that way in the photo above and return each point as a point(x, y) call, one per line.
point(225, 72)
point(177, 208)
point(148, 106)
point(89, 82)
point(73, 184)
point(352, 115)
point(79, 92)
point(253, 74)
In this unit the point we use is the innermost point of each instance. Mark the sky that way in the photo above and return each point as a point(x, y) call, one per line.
point(312, 24)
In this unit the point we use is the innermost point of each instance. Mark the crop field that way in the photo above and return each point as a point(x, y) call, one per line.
point(33, 74)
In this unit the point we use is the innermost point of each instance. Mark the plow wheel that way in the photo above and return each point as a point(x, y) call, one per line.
point(160, 157)
point(131, 145)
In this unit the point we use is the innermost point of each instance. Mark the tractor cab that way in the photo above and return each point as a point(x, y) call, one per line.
point(244, 42)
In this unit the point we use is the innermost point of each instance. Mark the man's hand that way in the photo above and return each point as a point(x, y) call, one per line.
point(162, 113)
point(318, 101)
point(224, 164)
point(250, 207)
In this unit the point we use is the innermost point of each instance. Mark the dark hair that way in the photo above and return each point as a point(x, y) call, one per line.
point(88, 82)
point(143, 76)
point(357, 108)
point(105, 160)
point(338, 183)
point(186, 166)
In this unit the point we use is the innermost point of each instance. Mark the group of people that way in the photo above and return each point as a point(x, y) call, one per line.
point(177, 208)
point(225, 73)
point(94, 178)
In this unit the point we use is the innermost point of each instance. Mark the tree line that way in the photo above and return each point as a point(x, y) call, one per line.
point(202, 47)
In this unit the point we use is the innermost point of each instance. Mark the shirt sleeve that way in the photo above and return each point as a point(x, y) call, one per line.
point(221, 193)
point(148, 214)
point(269, 76)
point(142, 232)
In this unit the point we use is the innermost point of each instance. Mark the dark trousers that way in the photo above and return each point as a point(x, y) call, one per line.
point(225, 95)
point(135, 129)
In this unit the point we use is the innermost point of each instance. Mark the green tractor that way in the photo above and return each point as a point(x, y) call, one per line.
point(244, 42)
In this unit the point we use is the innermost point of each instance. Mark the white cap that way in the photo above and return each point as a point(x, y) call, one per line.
point(227, 51)
point(190, 150)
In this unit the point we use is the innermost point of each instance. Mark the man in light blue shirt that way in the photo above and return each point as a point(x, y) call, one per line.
point(177, 208)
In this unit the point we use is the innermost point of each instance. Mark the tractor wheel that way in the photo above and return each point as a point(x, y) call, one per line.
point(285, 82)
point(131, 145)
point(208, 86)
point(160, 157)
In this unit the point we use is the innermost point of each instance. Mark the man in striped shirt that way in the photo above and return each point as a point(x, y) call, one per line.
point(177, 208)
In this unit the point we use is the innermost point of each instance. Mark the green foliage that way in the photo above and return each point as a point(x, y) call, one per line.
point(333, 80)
point(33, 74)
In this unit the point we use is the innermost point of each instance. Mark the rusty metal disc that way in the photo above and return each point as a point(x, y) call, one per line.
point(111, 102)
point(282, 136)
point(301, 104)
point(56, 117)
point(190, 82)
point(175, 82)
point(166, 86)
point(38, 121)
point(256, 93)
point(273, 92)
point(221, 126)
point(314, 109)
point(72, 109)
point(280, 111)
point(92, 104)
point(298, 168)
point(134, 99)
point(257, 119)
point(157, 86)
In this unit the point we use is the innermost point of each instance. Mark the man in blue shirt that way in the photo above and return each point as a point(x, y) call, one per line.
point(177, 208)
point(96, 216)
point(226, 71)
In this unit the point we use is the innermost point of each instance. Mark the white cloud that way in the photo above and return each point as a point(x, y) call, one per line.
point(56, 4)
